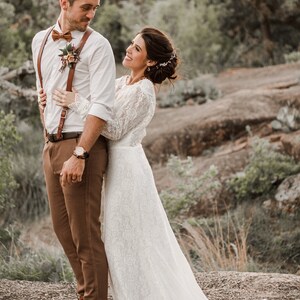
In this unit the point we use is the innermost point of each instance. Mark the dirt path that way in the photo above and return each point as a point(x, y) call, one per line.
point(216, 285)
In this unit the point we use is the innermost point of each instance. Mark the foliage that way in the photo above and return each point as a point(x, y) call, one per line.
point(36, 266)
point(259, 32)
point(20, 20)
point(292, 57)
point(134, 17)
point(8, 140)
point(20, 263)
point(265, 170)
point(278, 251)
point(218, 243)
point(190, 188)
point(29, 198)
point(216, 34)
point(197, 36)
point(12, 48)
point(109, 23)
point(199, 90)
point(240, 240)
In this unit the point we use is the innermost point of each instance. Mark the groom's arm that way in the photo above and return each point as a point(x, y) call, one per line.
point(102, 74)
point(74, 167)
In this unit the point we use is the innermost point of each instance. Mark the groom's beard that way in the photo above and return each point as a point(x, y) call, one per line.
point(80, 25)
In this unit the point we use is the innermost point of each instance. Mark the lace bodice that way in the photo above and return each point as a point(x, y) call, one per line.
point(133, 110)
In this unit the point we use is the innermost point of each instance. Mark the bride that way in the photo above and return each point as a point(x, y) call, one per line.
point(144, 258)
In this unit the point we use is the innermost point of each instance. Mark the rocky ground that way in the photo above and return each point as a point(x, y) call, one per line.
point(216, 285)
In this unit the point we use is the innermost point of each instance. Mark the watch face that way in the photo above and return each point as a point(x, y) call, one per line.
point(79, 150)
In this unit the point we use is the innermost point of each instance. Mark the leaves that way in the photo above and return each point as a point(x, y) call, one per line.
point(8, 140)
point(265, 170)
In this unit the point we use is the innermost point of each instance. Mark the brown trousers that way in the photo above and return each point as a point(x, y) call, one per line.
point(75, 211)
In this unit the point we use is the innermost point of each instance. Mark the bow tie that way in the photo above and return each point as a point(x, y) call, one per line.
point(56, 35)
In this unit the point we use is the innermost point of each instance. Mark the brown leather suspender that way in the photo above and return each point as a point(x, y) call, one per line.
point(70, 75)
point(39, 59)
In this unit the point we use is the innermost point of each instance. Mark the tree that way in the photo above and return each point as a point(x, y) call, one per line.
point(262, 31)
point(194, 27)
point(109, 23)
point(12, 48)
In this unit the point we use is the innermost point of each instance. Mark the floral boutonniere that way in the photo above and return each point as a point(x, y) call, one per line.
point(69, 57)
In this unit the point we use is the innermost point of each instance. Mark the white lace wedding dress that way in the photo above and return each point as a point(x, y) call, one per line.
point(144, 258)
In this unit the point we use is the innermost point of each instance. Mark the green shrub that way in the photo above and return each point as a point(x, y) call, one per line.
point(199, 90)
point(274, 241)
point(18, 262)
point(8, 140)
point(109, 23)
point(36, 266)
point(28, 198)
point(266, 169)
point(189, 189)
point(194, 27)
point(292, 57)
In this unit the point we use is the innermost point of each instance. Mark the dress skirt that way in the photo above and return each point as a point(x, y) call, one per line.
point(144, 257)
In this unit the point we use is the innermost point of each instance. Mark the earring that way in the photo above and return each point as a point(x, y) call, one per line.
point(148, 69)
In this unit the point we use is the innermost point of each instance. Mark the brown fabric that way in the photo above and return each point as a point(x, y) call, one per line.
point(75, 212)
point(57, 35)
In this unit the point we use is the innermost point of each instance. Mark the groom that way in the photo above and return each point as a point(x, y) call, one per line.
point(75, 155)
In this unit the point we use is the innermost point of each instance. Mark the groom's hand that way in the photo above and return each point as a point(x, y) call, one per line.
point(72, 171)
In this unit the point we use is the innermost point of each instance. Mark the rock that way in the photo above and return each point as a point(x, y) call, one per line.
point(276, 125)
point(190, 130)
point(270, 77)
point(291, 144)
point(251, 97)
point(190, 102)
point(289, 117)
point(288, 195)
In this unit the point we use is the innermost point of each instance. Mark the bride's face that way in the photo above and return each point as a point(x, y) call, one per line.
point(136, 55)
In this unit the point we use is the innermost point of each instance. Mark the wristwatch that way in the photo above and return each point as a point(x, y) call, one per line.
point(80, 152)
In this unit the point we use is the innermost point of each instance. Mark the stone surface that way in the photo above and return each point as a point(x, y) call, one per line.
point(190, 130)
point(216, 285)
point(291, 144)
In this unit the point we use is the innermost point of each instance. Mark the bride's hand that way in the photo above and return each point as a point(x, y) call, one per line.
point(63, 98)
point(42, 99)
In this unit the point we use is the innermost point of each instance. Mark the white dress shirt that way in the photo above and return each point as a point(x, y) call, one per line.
point(94, 77)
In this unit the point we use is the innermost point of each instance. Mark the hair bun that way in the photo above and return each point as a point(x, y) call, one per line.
point(160, 49)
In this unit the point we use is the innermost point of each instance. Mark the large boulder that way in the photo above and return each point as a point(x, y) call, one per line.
point(190, 130)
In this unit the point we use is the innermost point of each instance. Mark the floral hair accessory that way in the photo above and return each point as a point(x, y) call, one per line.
point(164, 64)
point(69, 57)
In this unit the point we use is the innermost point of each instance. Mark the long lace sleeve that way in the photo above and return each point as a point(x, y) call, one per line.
point(136, 107)
point(81, 106)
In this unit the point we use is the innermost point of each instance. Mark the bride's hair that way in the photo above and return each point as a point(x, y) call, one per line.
point(159, 49)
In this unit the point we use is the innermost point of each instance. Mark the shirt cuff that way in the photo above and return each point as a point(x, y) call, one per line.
point(101, 111)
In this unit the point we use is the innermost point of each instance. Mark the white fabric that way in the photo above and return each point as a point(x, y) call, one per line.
point(145, 260)
point(94, 77)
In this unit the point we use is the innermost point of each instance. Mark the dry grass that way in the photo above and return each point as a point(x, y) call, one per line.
point(213, 248)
